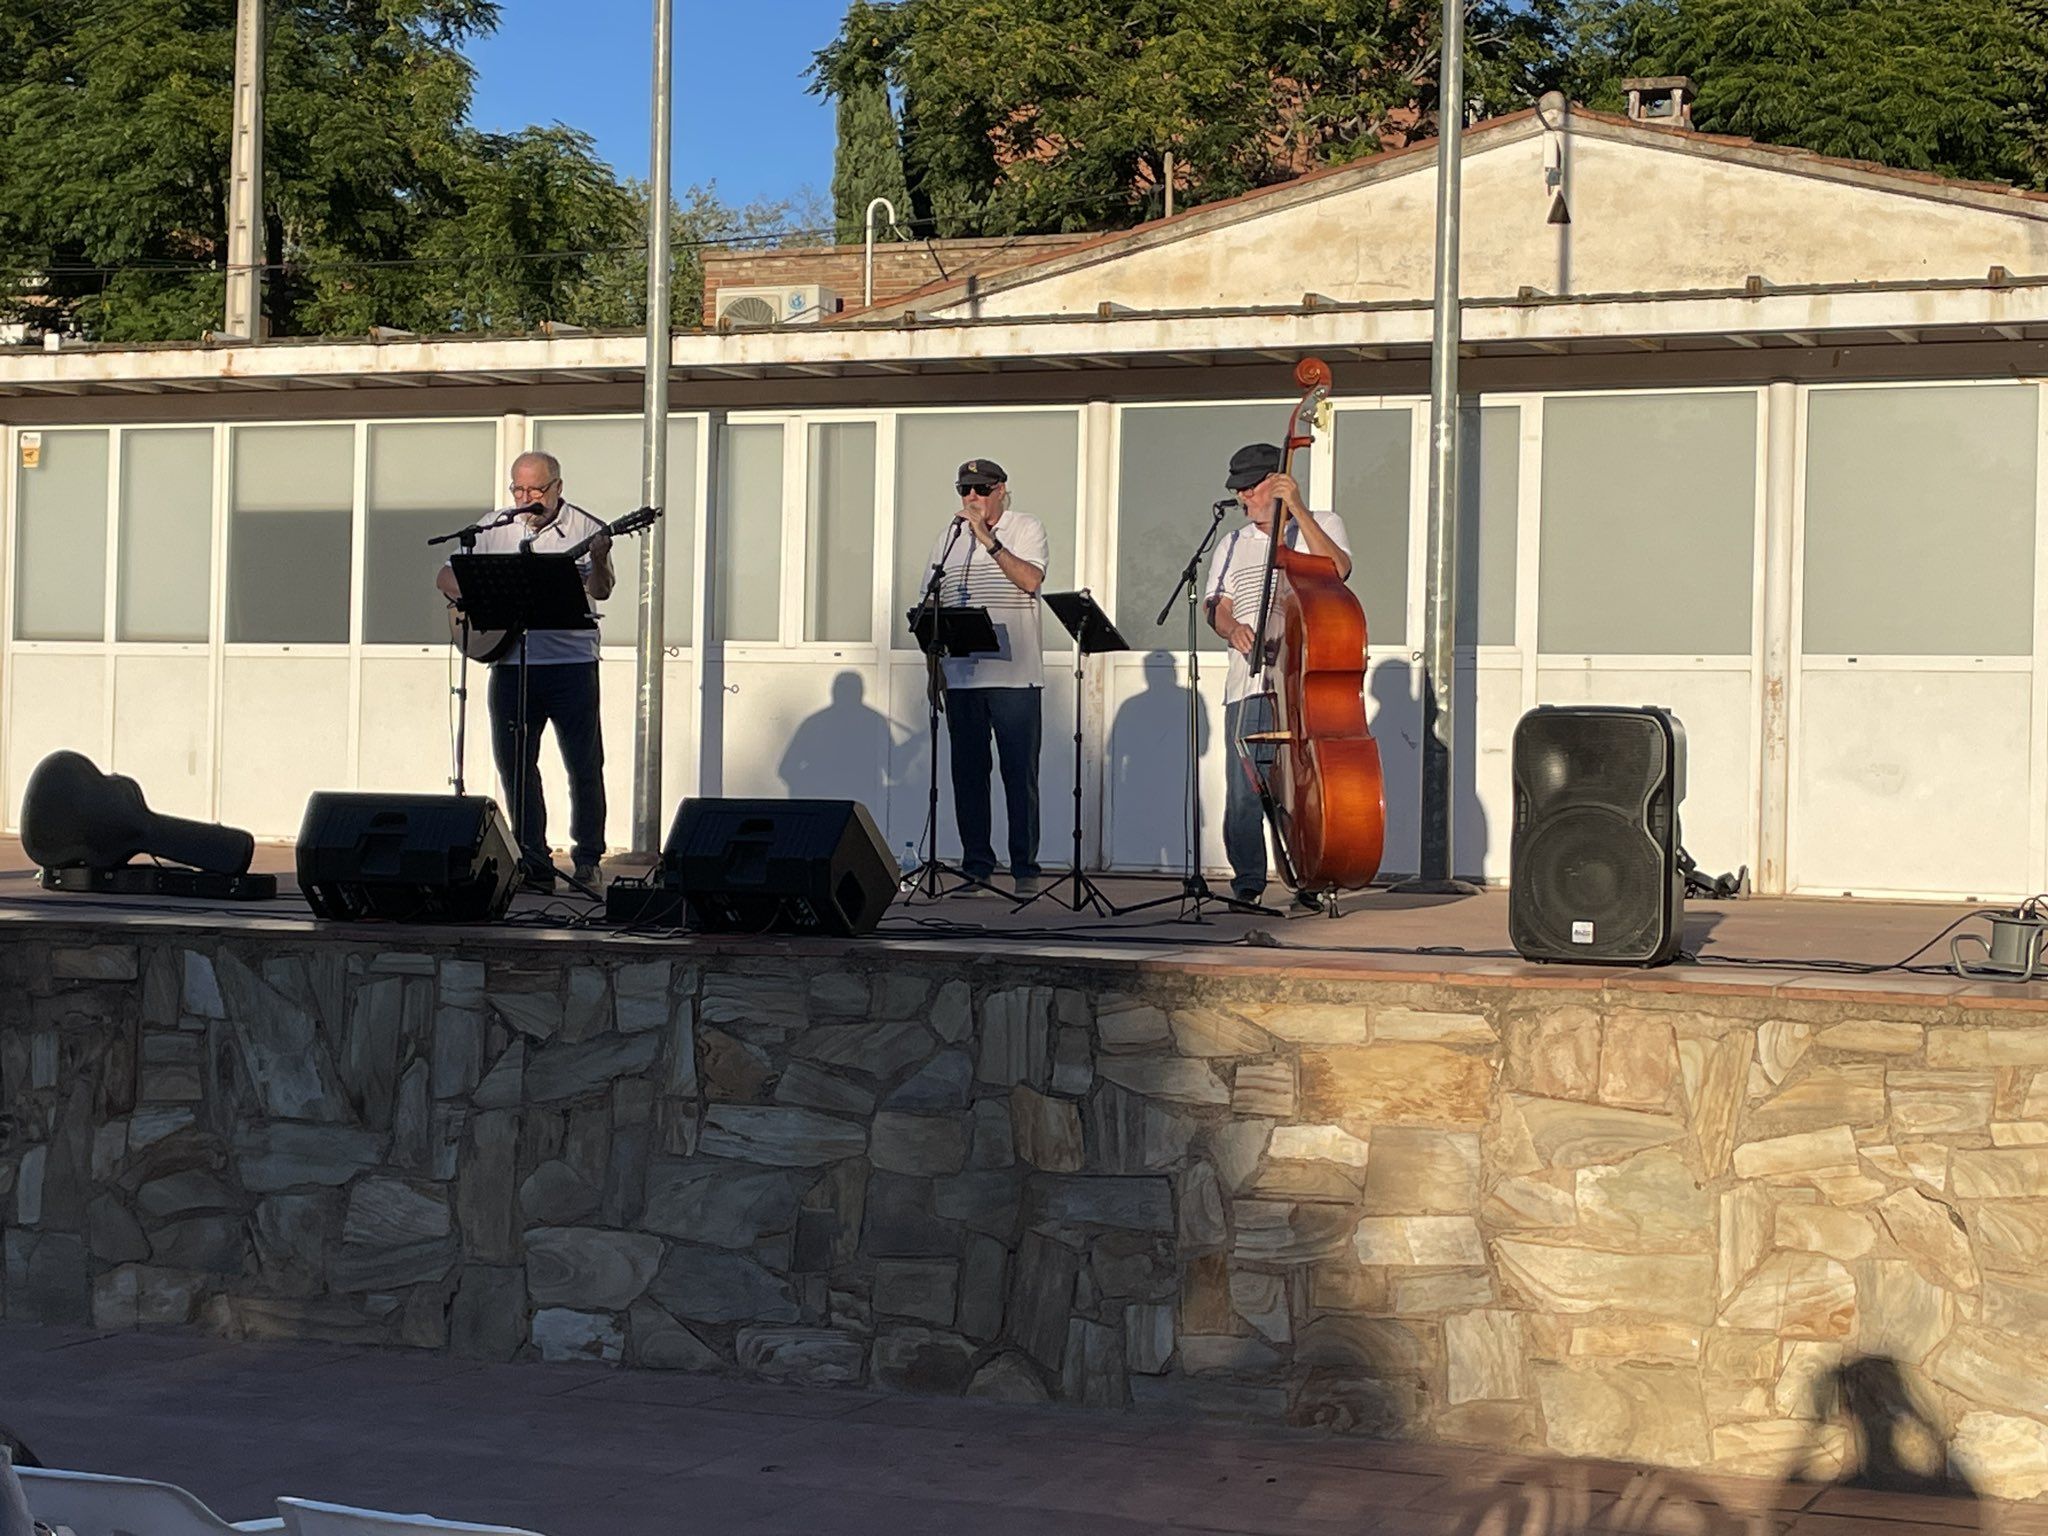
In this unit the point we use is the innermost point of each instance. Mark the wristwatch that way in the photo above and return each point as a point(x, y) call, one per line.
point(995, 545)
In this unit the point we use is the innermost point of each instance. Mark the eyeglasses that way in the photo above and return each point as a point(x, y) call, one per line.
point(542, 489)
point(977, 490)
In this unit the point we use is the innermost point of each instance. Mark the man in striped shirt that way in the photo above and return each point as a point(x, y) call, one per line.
point(1237, 571)
point(995, 558)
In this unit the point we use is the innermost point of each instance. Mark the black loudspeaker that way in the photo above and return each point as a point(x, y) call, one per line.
point(1594, 869)
point(800, 866)
point(407, 858)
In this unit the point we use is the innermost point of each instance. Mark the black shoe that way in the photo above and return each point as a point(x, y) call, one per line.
point(532, 879)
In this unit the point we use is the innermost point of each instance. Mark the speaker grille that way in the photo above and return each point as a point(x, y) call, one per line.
point(1594, 858)
point(406, 858)
point(804, 866)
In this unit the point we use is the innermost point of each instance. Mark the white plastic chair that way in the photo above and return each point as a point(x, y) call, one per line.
point(310, 1517)
point(95, 1505)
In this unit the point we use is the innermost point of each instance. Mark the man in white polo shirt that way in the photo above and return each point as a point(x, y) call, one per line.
point(1237, 571)
point(995, 560)
point(561, 676)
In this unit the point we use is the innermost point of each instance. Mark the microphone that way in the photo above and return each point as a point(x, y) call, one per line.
point(1225, 504)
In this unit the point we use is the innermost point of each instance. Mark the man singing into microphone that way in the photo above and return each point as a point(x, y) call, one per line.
point(561, 681)
point(1237, 571)
point(995, 558)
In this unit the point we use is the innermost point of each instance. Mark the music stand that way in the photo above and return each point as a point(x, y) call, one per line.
point(522, 592)
point(1092, 632)
point(942, 632)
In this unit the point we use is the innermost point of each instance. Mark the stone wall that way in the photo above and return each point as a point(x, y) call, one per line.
point(1637, 1222)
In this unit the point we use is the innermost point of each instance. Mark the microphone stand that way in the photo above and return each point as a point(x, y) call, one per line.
point(1194, 888)
point(924, 880)
point(467, 533)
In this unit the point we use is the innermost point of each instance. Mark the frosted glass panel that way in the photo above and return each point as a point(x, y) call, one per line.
point(601, 474)
point(1649, 525)
point(166, 574)
point(288, 535)
point(1039, 450)
point(1373, 449)
point(1171, 464)
point(60, 551)
point(1920, 521)
point(746, 557)
point(839, 587)
point(425, 479)
point(1490, 475)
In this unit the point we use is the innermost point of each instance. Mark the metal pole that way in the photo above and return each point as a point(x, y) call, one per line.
point(1441, 565)
point(244, 317)
point(867, 290)
point(647, 660)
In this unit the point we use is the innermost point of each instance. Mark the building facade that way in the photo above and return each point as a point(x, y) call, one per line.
point(1751, 434)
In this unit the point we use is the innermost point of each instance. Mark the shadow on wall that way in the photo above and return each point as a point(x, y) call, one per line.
point(1148, 760)
point(1869, 1430)
point(1394, 716)
point(845, 751)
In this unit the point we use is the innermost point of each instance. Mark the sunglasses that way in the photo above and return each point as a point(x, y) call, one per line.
point(977, 490)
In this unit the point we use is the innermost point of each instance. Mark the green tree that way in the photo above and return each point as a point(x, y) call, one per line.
point(868, 160)
point(1920, 84)
point(1057, 114)
point(381, 204)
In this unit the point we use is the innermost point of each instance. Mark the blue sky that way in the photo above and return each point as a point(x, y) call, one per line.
point(742, 117)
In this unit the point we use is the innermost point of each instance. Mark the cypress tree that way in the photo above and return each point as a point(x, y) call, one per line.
point(868, 161)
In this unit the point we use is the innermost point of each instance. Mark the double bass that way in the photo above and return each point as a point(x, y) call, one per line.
point(1323, 792)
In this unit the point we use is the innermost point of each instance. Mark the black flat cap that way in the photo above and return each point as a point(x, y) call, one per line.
point(981, 472)
point(1251, 464)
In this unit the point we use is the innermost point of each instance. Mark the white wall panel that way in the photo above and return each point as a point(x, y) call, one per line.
point(408, 720)
point(163, 731)
point(1910, 781)
point(283, 734)
point(53, 702)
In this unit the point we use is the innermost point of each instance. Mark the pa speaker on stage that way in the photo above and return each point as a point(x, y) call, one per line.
point(1594, 869)
point(796, 866)
point(407, 858)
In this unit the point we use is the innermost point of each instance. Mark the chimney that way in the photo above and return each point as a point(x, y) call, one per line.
point(1663, 99)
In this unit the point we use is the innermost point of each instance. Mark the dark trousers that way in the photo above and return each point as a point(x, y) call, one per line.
point(563, 695)
point(1011, 716)
point(1244, 817)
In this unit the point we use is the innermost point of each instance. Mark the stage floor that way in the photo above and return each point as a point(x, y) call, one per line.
point(1807, 946)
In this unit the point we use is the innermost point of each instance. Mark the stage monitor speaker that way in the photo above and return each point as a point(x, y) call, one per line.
point(406, 858)
point(1594, 870)
point(797, 866)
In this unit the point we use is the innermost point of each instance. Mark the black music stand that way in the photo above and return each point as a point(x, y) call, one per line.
point(942, 632)
point(1092, 632)
point(522, 592)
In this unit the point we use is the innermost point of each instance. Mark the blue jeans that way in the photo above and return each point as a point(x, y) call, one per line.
point(564, 695)
point(1244, 818)
point(1011, 716)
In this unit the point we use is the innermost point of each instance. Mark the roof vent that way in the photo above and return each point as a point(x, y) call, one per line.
point(1663, 99)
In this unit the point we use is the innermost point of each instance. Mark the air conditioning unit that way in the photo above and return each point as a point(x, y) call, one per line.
point(790, 304)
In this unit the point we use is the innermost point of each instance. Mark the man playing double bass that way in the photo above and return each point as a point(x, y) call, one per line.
point(1236, 572)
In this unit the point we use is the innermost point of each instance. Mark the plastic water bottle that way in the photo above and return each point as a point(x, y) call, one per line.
point(909, 859)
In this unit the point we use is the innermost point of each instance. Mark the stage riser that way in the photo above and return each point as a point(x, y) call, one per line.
point(1623, 1221)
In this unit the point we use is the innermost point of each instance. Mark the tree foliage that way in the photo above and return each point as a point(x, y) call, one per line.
point(382, 205)
point(1035, 115)
point(868, 162)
